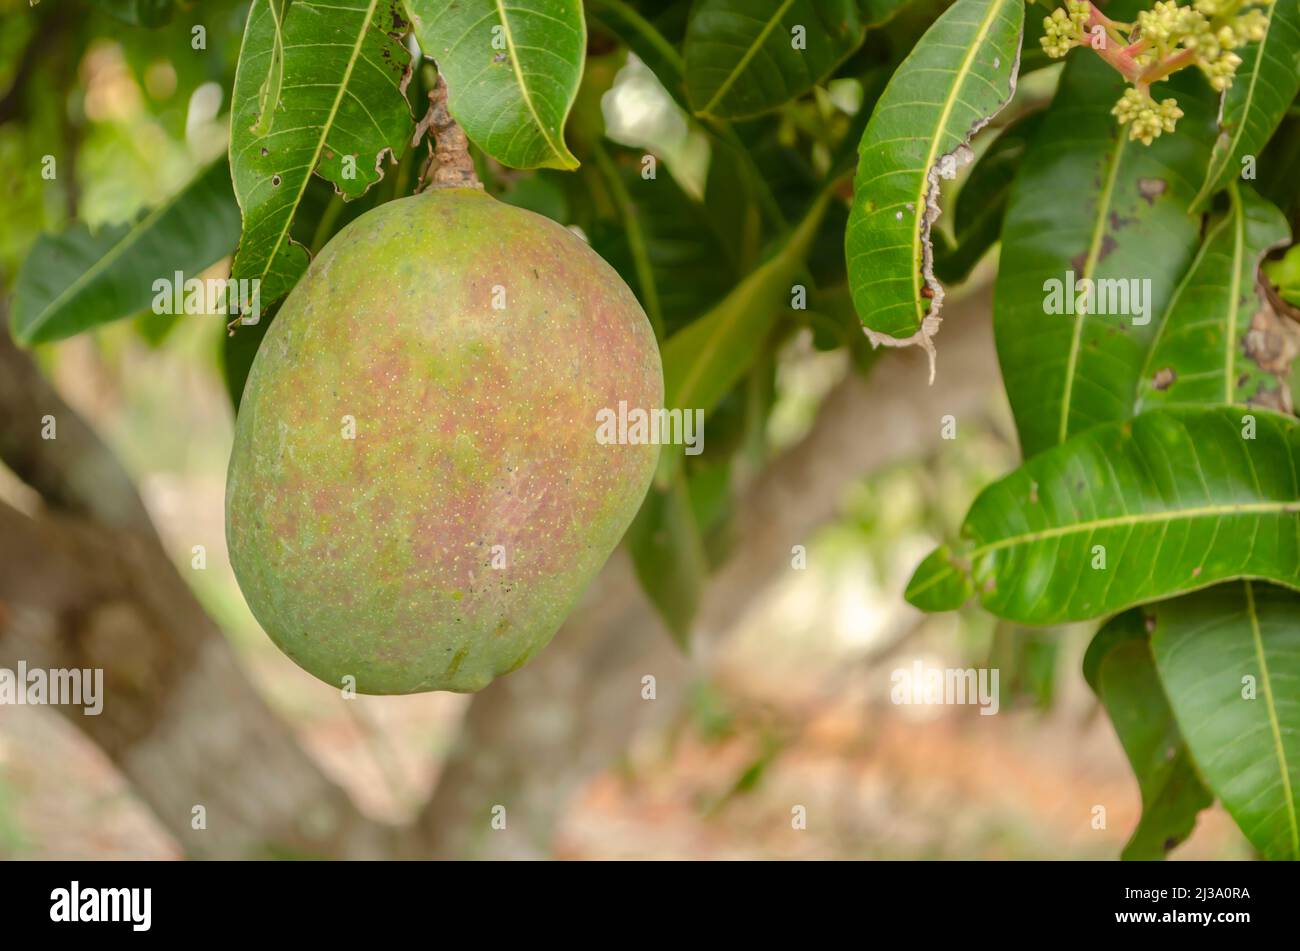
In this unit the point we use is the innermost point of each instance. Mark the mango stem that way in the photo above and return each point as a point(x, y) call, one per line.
point(450, 165)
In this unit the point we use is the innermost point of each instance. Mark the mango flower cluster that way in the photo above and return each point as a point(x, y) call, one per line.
point(1163, 40)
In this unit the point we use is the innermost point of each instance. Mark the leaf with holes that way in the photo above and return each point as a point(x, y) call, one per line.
point(77, 280)
point(340, 110)
point(1204, 343)
point(268, 99)
point(1088, 205)
point(1122, 673)
point(1265, 86)
point(512, 71)
point(1126, 513)
point(960, 73)
point(1229, 659)
point(743, 61)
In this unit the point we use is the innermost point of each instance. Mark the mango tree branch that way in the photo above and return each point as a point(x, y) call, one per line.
point(87, 584)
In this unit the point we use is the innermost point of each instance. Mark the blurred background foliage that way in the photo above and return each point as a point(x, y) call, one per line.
point(795, 708)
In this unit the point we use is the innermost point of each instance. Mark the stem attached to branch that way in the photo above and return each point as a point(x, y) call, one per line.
point(451, 165)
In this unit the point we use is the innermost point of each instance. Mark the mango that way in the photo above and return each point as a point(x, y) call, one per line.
point(417, 495)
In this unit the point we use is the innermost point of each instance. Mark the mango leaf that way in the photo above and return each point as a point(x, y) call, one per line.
point(138, 12)
point(706, 358)
point(1285, 273)
point(645, 39)
point(341, 108)
point(268, 98)
point(1090, 205)
point(743, 61)
point(512, 72)
point(236, 351)
point(664, 244)
point(669, 556)
point(1202, 351)
point(1032, 55)
point(1229, 659)
point(982, 201)
point(78, 280)
point(1122, 673)
point(961, 73)
point(880, 12)
point(1126, 513)
point(1266, 84)
point(1274, 173)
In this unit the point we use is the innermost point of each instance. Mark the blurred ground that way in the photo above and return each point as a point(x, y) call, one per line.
point(795, 713)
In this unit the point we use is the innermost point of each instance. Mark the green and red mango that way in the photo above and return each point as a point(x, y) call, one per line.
point(416, 495)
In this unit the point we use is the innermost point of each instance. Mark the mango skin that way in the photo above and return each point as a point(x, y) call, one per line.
point(373, 557)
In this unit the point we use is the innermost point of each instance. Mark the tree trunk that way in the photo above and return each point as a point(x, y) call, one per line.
point(87, 584)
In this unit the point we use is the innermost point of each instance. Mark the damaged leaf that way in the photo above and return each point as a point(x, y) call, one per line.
point(1266, 84)
point(1122, 673)
point(342, 113)
point(1229, 660)
point(1089, 208)
point(961, 73)
point(268, 97)
point(1130, 512)
point(981, 203)
point(1216, 318)
point(512, 72)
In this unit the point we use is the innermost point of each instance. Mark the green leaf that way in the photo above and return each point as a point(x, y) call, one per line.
point(78, 280)
point(236, 352)
point(940, 582)
point(138, 12)
point(1229, 659)
point(1088, 204)
point(669, 556)
point(268, 99)
point(1121, 671)
point(645, 39)
point(982, 201)
point(341, 108)
point(880, 12)
point(743, 62)
point(961, 72)
point(512, 72)
point(1201, 351)
point(705, 359)
point(1266, 84)
point(1285, 273)
point(663, 244)
point(1131, 512)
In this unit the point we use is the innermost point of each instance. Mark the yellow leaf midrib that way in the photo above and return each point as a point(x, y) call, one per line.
point(921, 204)
point(326, 126)
point(1274, 725)
point(748, 55)
point(560, 151)
point(1141, 518)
